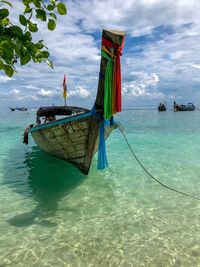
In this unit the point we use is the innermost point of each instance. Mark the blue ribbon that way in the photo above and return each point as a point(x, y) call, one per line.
point(102, 158)
point(102, 162)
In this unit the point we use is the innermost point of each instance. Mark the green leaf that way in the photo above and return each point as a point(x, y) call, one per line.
point(37, 3)
point(41, 14)
point(62, 10)
point(6, 44)
point(27, 10)
point(1, 52)
point(39, 58)
point(8, 69)
point(25, 59)
point(53, 16)
point(7, 52)
point(16, 32)
point(45, 54)
point(31, 48)
point(39, 45)
point(1, 64)
point(23, 20)
point(27, 2)
point(32, 26)
point(1, 30)
point(53, 2)
point(6, 2)
point(49, 62)
point(28, 36)
point(3, 13)
point(50, 7)
point(5, 21)
point(51, 25)
point(18, 45)
point(34, 59)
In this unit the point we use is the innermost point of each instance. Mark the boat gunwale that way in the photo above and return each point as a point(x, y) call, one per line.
point(60, 121)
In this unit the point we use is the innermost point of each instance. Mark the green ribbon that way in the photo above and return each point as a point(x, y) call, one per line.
point(108, 86)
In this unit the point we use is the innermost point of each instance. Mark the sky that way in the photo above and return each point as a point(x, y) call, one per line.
point(160, 61)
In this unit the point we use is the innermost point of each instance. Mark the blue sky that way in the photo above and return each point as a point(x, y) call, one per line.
point(160, 62)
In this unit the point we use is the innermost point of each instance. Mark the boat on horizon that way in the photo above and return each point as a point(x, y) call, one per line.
point(18, 109)
point(187, 107)
point(162, 107)
point(74, 134)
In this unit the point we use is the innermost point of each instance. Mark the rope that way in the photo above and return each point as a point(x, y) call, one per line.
point(149, 174)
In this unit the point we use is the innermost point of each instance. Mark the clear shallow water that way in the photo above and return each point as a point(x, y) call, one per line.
point(51, 215)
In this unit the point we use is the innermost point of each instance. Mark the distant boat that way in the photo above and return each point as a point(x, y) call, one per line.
point(187, 107)
point(162, 107)
point(19, 109)
point(80, 132)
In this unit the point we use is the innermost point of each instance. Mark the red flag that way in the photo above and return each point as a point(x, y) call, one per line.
point(65, 86)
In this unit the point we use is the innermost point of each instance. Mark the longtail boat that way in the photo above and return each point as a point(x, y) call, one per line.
point(162, 107)
point(74, 134)
point(187, 107)
point(18, 109)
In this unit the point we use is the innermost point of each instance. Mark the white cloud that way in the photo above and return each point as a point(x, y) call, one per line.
point(15, 92)
point(195, 66)
point(48, 93)
point(4, 79)
point(179, 54)
point(79, 92)
point(144, 85)
point(31, 87)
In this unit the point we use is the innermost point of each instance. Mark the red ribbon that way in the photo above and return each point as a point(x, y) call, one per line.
point(64, 81)
point(117, 53)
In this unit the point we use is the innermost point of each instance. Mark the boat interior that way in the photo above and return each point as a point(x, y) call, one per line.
point(52, 113)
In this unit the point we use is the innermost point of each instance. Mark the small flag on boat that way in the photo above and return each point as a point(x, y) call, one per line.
point(65, 86)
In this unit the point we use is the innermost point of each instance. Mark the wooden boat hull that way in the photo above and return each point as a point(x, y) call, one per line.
point(73, 139)
point(185, 108)
point(161, 108)
point(18, 109)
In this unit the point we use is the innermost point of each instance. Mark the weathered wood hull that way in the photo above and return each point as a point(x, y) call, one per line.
point(19, 109)
point(162, 108)
point(184, 108)
point(73, 139)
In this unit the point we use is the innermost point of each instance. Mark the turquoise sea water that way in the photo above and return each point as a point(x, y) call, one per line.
point(51, 215)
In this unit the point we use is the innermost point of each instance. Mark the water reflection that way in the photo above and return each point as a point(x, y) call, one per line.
point(44, 178)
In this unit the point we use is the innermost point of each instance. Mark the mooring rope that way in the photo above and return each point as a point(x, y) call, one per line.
point(149, 174)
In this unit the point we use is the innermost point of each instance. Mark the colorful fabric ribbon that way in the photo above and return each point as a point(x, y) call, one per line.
point(102, 158)
point(65, 86)
point(112, 94)
point(116, 75)
point(108, 86)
